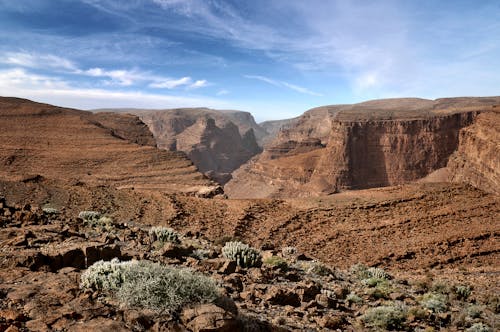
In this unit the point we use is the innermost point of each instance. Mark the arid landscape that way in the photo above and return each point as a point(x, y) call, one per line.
point(382, 215)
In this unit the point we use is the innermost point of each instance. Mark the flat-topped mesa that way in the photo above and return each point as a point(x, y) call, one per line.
point(372, 144)
point(45, 141)
point(217, 142)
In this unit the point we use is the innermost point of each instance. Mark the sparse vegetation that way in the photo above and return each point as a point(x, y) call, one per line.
point(95, 219)
point(435, 302)
point(163, 235)
point(388, 317)
point(479, 327)
point(277, 262)
point(50, 210)
point(242, 254)
point(149, 285)
point(463, 292)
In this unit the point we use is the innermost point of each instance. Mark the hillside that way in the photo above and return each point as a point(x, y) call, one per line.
point(41, 141)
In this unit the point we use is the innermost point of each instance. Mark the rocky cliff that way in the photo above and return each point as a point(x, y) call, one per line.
point(477, 159)
point(372, 144)
point(217, 142)
point(42, 141)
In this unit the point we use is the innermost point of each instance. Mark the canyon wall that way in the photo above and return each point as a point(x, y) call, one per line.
point(477, 159)
point(40, 141)
point(217, 142)
point(372, 144)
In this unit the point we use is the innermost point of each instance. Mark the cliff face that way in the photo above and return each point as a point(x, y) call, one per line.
point(44, 141)
point(372, 144)
point(217, 142)
point(477, 159)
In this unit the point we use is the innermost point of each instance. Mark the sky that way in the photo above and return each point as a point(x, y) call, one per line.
point(274, 58)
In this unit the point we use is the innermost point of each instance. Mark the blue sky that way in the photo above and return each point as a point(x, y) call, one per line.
point(274, 58)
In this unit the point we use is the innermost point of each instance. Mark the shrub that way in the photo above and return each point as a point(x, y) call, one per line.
point(479, 327)
point(164, 235)
point(288, 251)
point(474, 311)
point(50, 210)
point(434, 301)
point(242, 254)
point(278, 262)
point(319, 269)
point(200, 254)
point(162, 288)
point(386, 317)
point(353, 298)
point(149, 285)
point(88, 216)
point(105, 276)
point(463, 292)
point(375, 272)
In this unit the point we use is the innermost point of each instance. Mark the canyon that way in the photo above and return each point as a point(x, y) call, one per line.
point(405, 185)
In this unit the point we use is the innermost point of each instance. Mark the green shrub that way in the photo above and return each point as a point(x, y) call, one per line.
point(375, 272)
point(242, 254)
point(105, 276)
point(474, 311)
point(162, 288)
point(88, 216)
point(164, 235)
point(479, 327)
point(387, 317)
point(278, 262)
point(149, 285)
point(353, 298)
point(462, 292)
point(363, 272)
point(434, 301)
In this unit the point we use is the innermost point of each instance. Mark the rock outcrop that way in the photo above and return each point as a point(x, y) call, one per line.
point(372, 144)
point(477, 159)
point(42, 141)
point(217, 142)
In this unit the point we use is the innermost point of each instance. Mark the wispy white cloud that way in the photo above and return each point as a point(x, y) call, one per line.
point(118, 77)
point(20, 83)
point(32, 60)
point(222, 92)
point(283, 84)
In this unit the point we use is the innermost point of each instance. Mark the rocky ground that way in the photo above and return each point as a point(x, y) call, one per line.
point(297, 288)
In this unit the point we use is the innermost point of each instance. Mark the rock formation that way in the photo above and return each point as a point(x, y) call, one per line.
point(218, 142)
point(371, 144)
point(43, 141)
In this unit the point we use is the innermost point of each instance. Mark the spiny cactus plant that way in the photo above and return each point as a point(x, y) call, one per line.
point(375, 272)
point(463, 292)
point(242, 254)
point(164, 235)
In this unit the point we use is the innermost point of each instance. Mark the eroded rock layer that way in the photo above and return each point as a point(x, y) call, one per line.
point(42, 141)
point(217, 142)
point(372, 144)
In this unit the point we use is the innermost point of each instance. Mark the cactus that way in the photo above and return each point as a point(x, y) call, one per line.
point(163, 235)
point(242, 254)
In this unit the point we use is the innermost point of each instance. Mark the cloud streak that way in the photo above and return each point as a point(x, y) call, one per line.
point(278, 83)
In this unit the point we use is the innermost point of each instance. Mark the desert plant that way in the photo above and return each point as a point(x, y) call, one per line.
point(149, 285)
point(162, 288)
point(277, 262)
point(474, 311)
point(164, 235)
point(88, 216)
point(242, 254)
point(50, 210)
point(376, 272)
point(479, 327)
point(463, 292)
point(353, 298)
point(387, 317)
point(288, 251)
point(200, 254)
point(318, 268)
point(435, 302)
point(105, 276)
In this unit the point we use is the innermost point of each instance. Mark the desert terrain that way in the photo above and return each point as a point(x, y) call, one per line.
point(383, 215)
